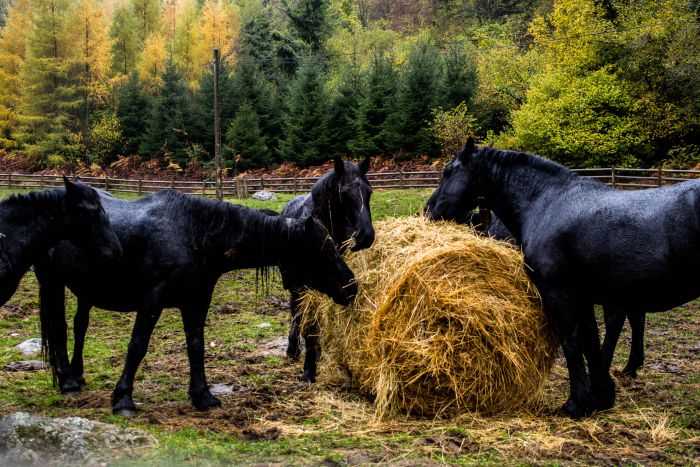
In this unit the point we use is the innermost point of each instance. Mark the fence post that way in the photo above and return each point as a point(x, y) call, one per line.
point(9, 180)
point(659, 176)
point(401, 177)
point(106, 183)
point(612, 176)
point(296, 184)
point(204, 188)
point(140, 186)
point(41, 181)
point(262, 183)
point(172, 182)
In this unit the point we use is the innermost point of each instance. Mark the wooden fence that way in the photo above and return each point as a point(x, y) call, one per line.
point(241, 188)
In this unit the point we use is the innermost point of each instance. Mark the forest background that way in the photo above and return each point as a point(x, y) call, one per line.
point(586, 83)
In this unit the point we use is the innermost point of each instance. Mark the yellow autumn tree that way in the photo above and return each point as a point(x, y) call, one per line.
point(186, 42)
point(219, 30)
point(12, 55)
point(153, 61)
point(89, 28)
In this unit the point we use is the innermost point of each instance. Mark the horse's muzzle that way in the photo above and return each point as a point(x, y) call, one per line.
point(348, 295)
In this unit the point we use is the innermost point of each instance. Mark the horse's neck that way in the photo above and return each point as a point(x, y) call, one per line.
point(511, 191)
point(256, 242)
point(30, 226)
point(327, 210)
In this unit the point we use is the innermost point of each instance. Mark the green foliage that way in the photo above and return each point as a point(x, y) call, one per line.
point(105, 138)
point(405, 130)
point(169, 120)
point(582, 121)
point(306, 116)
point(308, 18)
point(125, 41)
point(245, 139)
point(344, 110)
point(451, 128)
point(132, 103)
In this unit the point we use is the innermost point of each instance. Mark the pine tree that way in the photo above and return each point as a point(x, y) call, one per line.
point(186, 46)
point(309, 20)
point(169, 120)
point(460, 78)
point(131, 104)
point(149, 17)
point(245, 140)
point(344, 110)
point(125, 41)
point(406, 128)
point(374, 108)
point(305, 117)
point(270, 47)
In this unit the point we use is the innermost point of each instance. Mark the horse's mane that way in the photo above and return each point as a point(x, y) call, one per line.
point(500, 162)
point(51, 196)
point(328, 180)
point(208, 219)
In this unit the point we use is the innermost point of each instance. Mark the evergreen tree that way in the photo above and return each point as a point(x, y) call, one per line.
point(245, 140)
point(406, 128)
point(169, 120)
point(344, 110)
point(374, 108)
point(460, 80)
point(305, 117)
point(132, 101)
point(149, 17)
point(125, 41)
point(309, 20)
point(202, 130)
point(269, 47)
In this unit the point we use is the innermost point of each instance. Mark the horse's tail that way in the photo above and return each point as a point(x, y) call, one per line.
point(51, 318)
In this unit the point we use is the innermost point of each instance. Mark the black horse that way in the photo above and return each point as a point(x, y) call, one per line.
point(175, 249)
point(586, 244)
point(30, 224)
point(487, 223)
point(340, 201)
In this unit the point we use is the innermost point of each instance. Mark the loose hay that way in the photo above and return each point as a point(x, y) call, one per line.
point(445, 322)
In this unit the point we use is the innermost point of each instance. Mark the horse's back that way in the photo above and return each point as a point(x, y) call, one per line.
point(298, 207)
point(622, 244)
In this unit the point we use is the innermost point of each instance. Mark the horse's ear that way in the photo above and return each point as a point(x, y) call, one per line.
point(468, 149)
point(364, 166)
point(339, 165)
point(69, 185)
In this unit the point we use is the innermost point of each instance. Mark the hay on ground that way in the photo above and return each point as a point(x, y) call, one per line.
point(445, 322)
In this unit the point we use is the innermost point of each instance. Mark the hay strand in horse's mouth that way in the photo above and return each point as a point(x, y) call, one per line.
point(445, 322)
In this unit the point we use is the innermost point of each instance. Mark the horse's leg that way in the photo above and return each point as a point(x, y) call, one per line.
point(146, 319)
point(614, 320)
point(636, 358)
point(602, 386)
point(312, 352)
point(54, 331)
point(80, 325)
point(193, 320)
point(565, 317)
point(293, 351)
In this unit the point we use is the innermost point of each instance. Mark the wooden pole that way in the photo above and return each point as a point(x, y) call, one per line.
point(217, 127)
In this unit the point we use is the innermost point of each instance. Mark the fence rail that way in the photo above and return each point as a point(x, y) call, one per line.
point(244, 187)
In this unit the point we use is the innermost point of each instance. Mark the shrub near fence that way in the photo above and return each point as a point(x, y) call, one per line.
point(244, 187)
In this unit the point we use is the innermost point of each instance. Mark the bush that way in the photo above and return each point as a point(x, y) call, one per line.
point(451, 128)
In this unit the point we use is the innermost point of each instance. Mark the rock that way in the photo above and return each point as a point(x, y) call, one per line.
point(263, 325)
point(264, 195)
point(30, 346)
point(27, 439)
point(25, 365)
point(221, 389)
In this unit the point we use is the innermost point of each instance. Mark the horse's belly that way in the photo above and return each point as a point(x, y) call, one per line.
point(650, 297)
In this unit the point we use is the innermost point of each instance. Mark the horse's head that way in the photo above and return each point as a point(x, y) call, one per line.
point(87, 223)
point(457, 191)
point(312, 260)
point(344, 196)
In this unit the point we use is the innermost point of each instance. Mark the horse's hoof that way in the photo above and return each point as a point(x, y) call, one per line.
point(71, 394)
point(81, 381)
point(629, 372)
point(308, 379)
point(293, 357)
point(574, 411)
point(70, 388)
point(125, 412)
point(206, 403)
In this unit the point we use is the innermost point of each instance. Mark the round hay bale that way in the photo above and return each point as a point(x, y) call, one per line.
point(445, 322)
